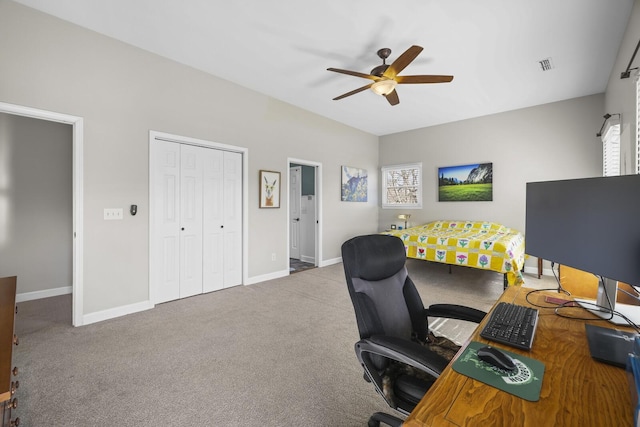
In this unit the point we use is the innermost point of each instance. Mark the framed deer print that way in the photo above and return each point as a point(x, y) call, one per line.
point(269, 189)
point(354, 184)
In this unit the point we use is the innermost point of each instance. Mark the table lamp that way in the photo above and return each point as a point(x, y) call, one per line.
point(404, 217)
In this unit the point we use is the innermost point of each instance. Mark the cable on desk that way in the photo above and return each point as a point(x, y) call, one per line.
point(558, 289)
point(538, 305)
point(573, 304)
point(600, 309)
point(597, 307)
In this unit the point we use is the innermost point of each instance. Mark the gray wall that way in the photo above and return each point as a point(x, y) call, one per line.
point(35, 203)
point(552, 141)
point(122, 92)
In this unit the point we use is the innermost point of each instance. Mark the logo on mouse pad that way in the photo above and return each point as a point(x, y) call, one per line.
point(511, 369)
point(520, 375)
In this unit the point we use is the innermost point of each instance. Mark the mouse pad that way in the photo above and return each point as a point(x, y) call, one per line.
point(525, 382)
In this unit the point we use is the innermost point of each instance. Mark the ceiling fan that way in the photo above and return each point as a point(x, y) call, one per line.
point(385, 77)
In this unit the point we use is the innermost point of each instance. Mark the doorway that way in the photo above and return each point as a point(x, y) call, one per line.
point(303, 215)
point(77, 316)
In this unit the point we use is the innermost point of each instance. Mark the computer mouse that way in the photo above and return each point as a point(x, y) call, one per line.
point(497, 358)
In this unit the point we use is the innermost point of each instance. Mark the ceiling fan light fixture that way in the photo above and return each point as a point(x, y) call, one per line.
point(384, 87)
point(385, 77)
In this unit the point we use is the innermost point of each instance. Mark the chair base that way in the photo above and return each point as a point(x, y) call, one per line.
point(381, 417)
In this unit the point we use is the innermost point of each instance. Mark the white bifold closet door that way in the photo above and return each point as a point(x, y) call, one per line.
point(222, 196)
point(198, 212)
point(190, 220)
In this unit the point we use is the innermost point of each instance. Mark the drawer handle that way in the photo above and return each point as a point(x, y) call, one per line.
point(16, 422)
point(13, 404)
point(15, 371)
point(15, 340)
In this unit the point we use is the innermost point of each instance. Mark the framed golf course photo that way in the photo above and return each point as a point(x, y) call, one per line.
point(466, 183)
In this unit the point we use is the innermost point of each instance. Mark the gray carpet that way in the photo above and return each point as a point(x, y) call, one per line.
point(278, 353)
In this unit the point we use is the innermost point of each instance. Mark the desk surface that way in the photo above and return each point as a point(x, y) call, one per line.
point(576, 390)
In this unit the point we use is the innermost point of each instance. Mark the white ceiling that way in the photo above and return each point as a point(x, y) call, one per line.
point(282, 49)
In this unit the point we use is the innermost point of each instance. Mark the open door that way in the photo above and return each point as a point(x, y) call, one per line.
point(304, 224)
point(295, 195)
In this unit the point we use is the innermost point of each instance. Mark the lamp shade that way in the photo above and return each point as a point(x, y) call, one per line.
point(405, 218)
point(384, 87)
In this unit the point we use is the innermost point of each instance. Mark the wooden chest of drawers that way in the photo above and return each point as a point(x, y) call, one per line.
point(8, 381)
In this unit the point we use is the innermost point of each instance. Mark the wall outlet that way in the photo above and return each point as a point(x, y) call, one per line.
point(273, 256)
point(113, 213)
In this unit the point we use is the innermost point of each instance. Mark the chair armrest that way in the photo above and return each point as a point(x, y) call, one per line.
point(454, 311)
point(404, 351)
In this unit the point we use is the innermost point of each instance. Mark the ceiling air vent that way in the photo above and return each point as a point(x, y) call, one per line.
point(546, 64)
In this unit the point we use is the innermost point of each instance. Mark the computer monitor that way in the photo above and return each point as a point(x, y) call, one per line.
point(592, 224)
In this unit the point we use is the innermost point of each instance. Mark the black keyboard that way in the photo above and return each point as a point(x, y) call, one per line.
point(512, 324)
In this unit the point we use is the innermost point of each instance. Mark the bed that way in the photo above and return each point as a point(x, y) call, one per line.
point(476, 244)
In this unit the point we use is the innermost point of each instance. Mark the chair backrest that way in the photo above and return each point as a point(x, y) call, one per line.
point(385, 300)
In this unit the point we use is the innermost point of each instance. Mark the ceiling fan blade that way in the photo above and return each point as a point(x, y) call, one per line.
point(402, 61)
point(353, 92)
point(393, 98)
point(354, 73)
point(423, 79)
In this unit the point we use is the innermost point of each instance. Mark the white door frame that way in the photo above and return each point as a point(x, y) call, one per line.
point(153, 135)
point(77, 123)
point(318, 191)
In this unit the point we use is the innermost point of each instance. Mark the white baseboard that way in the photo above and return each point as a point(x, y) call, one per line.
point(265, 277)
point(47, 293)
point(307, 258)
point(332, 261)
point(112, 313)
point(283, 273)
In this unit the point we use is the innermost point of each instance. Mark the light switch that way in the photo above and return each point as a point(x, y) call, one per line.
point(113, 213)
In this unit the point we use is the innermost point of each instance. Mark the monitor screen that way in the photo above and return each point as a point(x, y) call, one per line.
point(592, 224)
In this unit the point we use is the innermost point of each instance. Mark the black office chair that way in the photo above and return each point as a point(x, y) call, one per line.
point(398, 353)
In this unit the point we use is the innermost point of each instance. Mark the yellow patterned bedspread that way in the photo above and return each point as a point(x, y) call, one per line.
point(477, 244)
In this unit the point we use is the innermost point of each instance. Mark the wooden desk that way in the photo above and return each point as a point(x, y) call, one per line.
point(576, 390)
